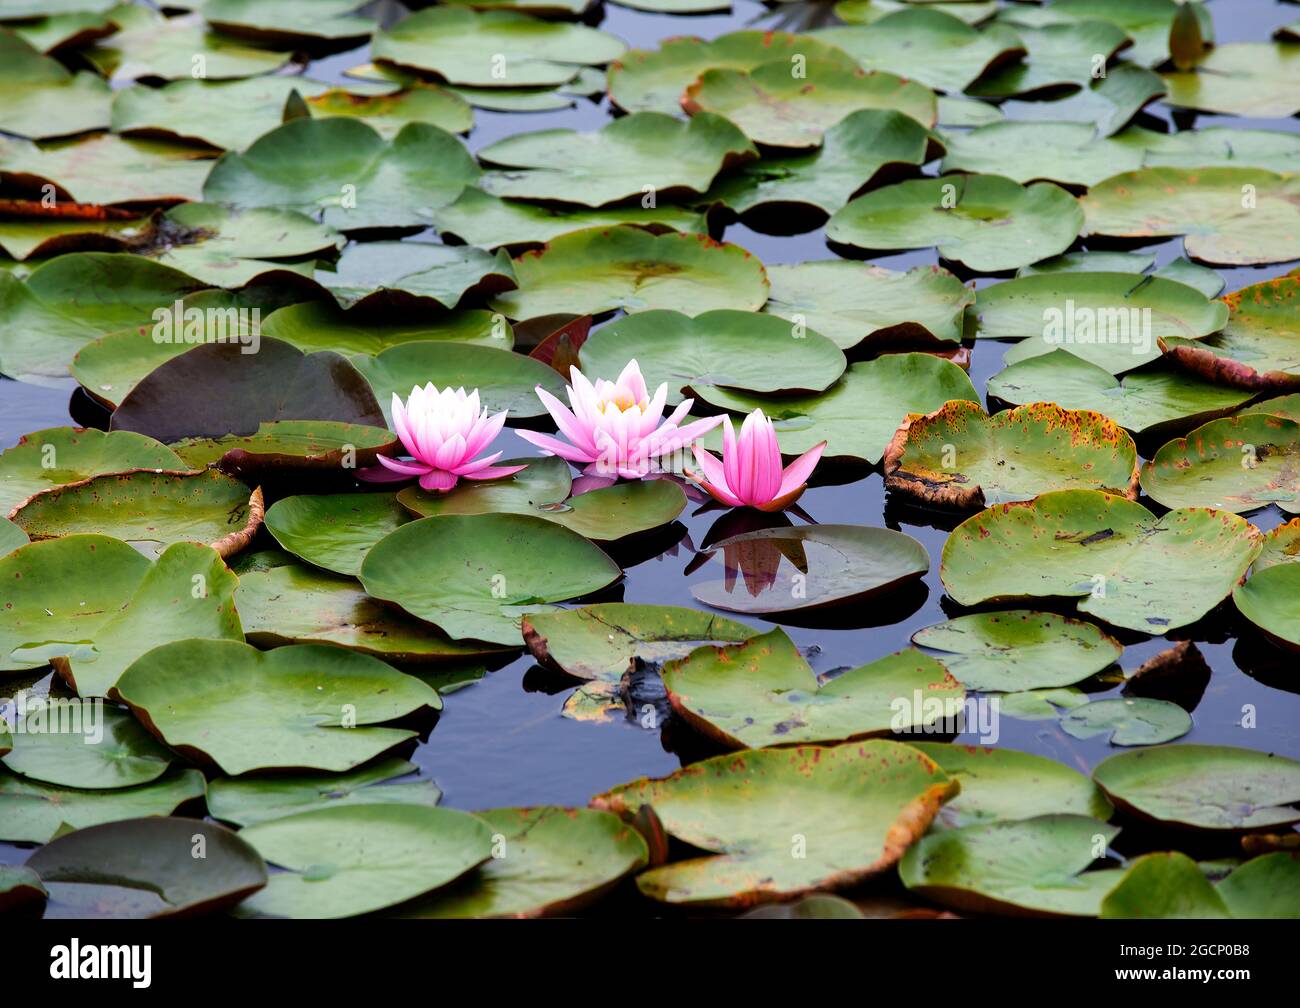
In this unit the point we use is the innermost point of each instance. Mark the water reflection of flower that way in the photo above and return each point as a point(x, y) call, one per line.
point(755, 561)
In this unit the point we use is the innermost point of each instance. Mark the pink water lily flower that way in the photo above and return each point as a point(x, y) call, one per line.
point(750, 473)
point(443, 431)
point(616, 428)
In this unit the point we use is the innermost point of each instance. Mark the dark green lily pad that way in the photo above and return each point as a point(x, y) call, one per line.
point(318, 325)
point(1128, 721)
point(110, 751)
point(334, 531)
point(1269, 599)
point(290, 444)
point(1171, 885)
point(41, 98)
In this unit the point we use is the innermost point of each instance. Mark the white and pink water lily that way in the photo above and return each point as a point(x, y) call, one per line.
point(615, 428)
point(443, 430)
point(750, 473)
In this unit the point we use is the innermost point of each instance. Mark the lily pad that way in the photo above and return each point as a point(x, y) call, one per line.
point(960, 456)
point(504, 562)
point(1171, 885)
point(1203, 787)
point(11, 537)
point(1107, 104)
point(1269, 600)
point(300, 23)
point(289, 444)
point(19, 888)
point(411, 275)
point(318, 325)
point(600, 269)
point(1059, 56)
point(537, 873)
point(334, 531)
point(826, 565)
point(63, 31)
point(1128, 721)
point(110, 751)
point(42, 99)
point(1124, 565)
point(307, 706)
point(1241, 79)
point(1146, 22)
point(1019, 650)
point(1204, 279)
point(987, 222)
point(851, 810)
point(149, 45)
point(1281, 546)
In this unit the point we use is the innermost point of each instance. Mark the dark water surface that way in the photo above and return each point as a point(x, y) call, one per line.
point(502, 741)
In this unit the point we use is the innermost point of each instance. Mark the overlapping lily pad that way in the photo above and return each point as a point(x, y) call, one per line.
point(1106, 105)
point(110, 750)
point(11, 536)
point(413, 274)
point(1269, 600)
point(1171, 885)
point(290, 444)
point(856, 807)
point(305, 24)
point(1241, 79)
point(1059, 56)
point(318, 325)
point(149, 45)
point(19, 888)
point(334, 531)
point(1128, 721)
point(42, 99)
point(1147, 22)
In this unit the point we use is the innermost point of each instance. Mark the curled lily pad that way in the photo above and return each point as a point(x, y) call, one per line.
point(389, 113)
point(962, 457)
point(849, 810)
point(826, 565)
point(1269, 600)
point(1204, 787)
point(1228, 216)
point(148, 868)
point(410, 275)
point(504, 563)
point(247, 801)
point(553, 861)
point(763, 693)
point(317, 325)
point(854, 303)
point(306, 706)
point(147, 44)
point(1122, 563)
point(334, 531)
point(1059, 56)
point(290, 444)
point(987, 222)
point(1128, 721)
point(1241, 79)
point(110, 751)
point(1030, 867)
point(348, 860)
point(1107, 104)
point(600, 269)
point(1236, 464)
point(42, 98)
point(1281, 546)
point(1019, 650)
point(643, 153)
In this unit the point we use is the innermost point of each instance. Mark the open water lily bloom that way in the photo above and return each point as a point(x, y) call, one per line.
point(614, 427)
point(750, 473)
point(443, 431)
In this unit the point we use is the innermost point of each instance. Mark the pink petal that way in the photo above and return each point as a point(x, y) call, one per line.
point(730, 456)
point(405, 468)
point(493, 472)
point(484, 433)
point(570, 426)
point(797, 472)
point(378, 474)
point(714, 481)
point(554, 446)
point(437, 479)
point(465, 468)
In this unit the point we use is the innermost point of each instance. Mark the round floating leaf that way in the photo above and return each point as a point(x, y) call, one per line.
point(410, 275)
point(1019, 650)
point(854, 303)
point(1031, 867)
point(74, 454)
point(734, 349)
point(1128, 721)
point(1000, 784)
point(502, 562)
point(604, 641)
point(762, 693)
point(859, 805)
point(1161, 887)
point(601, 269)
point(1122, 563)
point(495, 49)
point(344, 170)
point(646, 152)
point(147, 44)
point(110, 749)
point(41, 99)
point(31, 812)
point(334, 531)
point(858, 415)
point(1066, 152)
point(294, 707)
point(344, 861)
point(987, 222)
point(1264, 887)
point(248, 801)
point(961, 457)
point(1059, 56)
point(289, 444)
point(1203, 786)
point(1236, 464)
point(1269, 599)
point(556, 861)
point(1259, 79)
point(826, 565)
point(1204, 279)
point(317, 325)
point(1207, 207)
point(301, 23)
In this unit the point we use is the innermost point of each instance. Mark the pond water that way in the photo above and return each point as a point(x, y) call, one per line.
point(502, 740)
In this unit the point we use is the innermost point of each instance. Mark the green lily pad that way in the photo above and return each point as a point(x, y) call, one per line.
point(1128, 721)
point(1059, 56)
point(289, 444)
point(1106, 105)
point(1281, 546)
point(762, 693)
point(247, 801)
point(334, 531)
point(1019, 650)
point(855, 303)
point(42, 99)
point(503, 562)
point(64, 31)
point(858, 415)
point(1031, 867)
point(414, 274)
point(1263, 888)
point(1144, 402)
point(603, 641)
point(1228, 216)
point(1203, 787)
point(1236, 464)
point(307, 706)
point(318, 325)
point(1204, 279)
point(1164, 886)
point(389, 113)
point(600, 269)
point(970, 112)
point(494, 49)
point(1269, 600)
point(11, 537)
point(987, 222)
point(1067, 152)
point(150, 867)
point(846, 812)
point(1124, 565)
point(646, 153)
point(973, 12)
point(734, 349)
point(959, 456)
point(298, 23)
point(537, 873)
point(1041, 704)
point(1001, 784)
point(123, 755)
point(826, 565)
point(35, 812)
point(147, 44)
point(1241, 79)
point(345, 171)
point(1146, 22)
